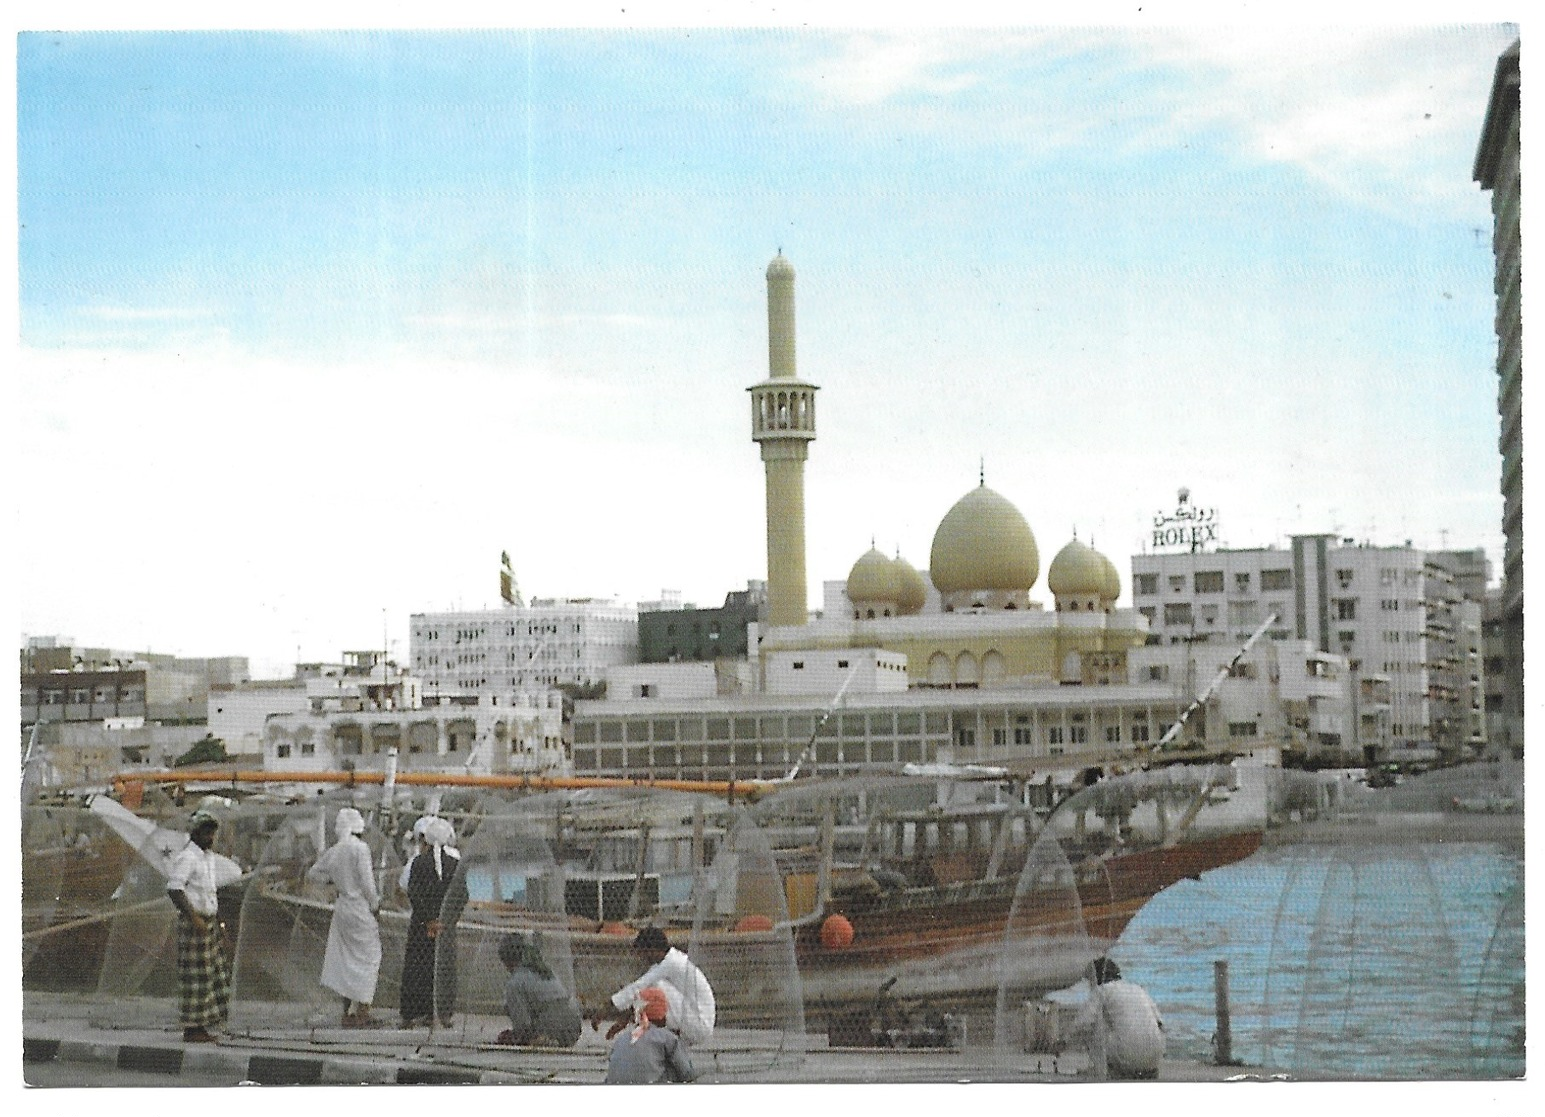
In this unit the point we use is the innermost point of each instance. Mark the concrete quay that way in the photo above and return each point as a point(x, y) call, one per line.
point(270, 1046)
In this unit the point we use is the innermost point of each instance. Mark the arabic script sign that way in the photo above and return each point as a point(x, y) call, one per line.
point(1188, 526)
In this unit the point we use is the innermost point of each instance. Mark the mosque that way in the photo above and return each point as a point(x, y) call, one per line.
point(956, 663)
point(971, 620)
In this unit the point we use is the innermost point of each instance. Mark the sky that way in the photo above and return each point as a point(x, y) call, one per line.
point(313, 325)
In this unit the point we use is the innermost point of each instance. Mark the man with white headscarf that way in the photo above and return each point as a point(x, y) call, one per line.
point(353, 959)
point(429, 962)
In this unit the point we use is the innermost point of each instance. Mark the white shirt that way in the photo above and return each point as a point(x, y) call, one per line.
point(198, 873)
point(688, 996)
point(1129, 1022)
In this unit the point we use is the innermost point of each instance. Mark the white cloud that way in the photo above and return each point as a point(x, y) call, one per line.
point(1387, 116)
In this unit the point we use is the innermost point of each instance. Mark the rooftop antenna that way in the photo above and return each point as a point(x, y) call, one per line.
point(981, 471)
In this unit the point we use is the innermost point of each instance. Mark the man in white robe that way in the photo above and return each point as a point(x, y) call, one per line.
point(688, 994)
point(353, 959)
point(1121, 1025)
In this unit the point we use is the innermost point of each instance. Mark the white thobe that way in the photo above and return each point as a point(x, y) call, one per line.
point(353, 959)
point(1124, 1024)
point(688, 996)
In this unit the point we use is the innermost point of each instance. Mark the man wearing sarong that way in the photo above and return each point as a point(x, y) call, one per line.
point(427, 879)
point(203, 976)
point(353, 958)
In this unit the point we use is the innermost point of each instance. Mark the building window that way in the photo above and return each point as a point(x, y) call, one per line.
point(1209, 581)
point(1346, 608)
point(1242, 583)
point(1022, 736)
point(1078, 734)
point(1139, 732)
point(1158, 672)
point(1241, 729)
point(1000, 737)
point(841, 663)
point(1276, 580)
point(1054, 735)
point(965, 738)
point(1177, 612)
point(1147, 583)
point(1343, 578)
point(1177, 583)
point(1113, 734)
point(308, 748)
point(799, 665)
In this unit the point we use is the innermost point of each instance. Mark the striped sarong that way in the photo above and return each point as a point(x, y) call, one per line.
point(203, 978)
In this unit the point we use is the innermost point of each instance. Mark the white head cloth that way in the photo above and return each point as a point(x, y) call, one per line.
point(349, 821)
point(439, 833)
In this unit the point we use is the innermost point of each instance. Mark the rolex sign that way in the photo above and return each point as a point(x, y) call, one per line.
point(1188, 527)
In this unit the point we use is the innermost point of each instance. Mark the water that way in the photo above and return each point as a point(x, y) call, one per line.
point(1382, 960)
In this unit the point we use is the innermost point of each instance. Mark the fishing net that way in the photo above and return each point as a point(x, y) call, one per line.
point(743, 940)
point(72, 865)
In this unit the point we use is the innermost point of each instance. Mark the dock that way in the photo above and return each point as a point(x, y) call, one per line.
point(269, 1048)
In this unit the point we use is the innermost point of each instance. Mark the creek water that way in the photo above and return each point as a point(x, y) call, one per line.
point(1383, 960)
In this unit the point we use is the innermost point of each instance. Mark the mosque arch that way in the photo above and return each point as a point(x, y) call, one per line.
point(423, 736)
point(967, 672)
point(994, 667)
point(940, 671)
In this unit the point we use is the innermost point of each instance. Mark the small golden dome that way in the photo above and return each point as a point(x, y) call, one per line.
point(1112, 579)
point(913, 590)
point(874, 578)
point(1078, 569)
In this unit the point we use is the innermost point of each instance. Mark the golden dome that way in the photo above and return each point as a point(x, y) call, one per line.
point(913, 591)
point(874, 578)
point(1112, 579)
point(983, 543)
point(1078, 569)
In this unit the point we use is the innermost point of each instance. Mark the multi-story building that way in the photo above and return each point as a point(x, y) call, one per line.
point(1392, 612)
point(1497, 170)
point(355, 715)
point(674, 633)
point(65, 681)
point(549, 642)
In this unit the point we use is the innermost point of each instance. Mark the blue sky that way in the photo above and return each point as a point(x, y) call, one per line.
point(312, 326)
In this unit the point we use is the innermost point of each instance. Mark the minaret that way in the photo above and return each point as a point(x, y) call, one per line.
point(783, 422)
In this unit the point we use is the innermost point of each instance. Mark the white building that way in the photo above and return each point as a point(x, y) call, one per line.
point(551, 641)
point(1390, 611)
point(354, 718)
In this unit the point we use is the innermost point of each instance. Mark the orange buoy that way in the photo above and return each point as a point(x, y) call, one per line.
point(836, 932)
point(754, 923)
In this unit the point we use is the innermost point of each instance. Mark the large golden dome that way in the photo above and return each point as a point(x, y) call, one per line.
point(983, 544)
point(1078, 569)
point(874, 578)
